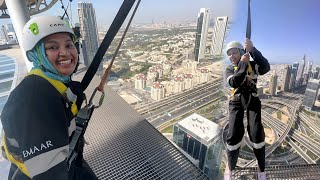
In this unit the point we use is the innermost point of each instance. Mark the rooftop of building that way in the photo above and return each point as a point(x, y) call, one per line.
point(157, 85)
point(152, 69)
point(204, 70)
point(167, 62)
point(158, 66)
point(188, 75)
point(141, 76)
point(198, 126)
point(178, 78)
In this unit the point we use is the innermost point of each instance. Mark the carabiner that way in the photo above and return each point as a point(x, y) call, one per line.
point(100, 100)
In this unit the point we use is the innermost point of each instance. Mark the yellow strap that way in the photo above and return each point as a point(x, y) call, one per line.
point(13, 160)
point(249, 71)
point(235, 68)
point(58, 85)
point(62, 89)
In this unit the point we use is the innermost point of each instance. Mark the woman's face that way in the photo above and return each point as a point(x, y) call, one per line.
point(61, 53)
point(234, 55)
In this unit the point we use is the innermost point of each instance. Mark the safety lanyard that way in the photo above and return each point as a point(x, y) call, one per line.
point(85, 113)
point(248, 35)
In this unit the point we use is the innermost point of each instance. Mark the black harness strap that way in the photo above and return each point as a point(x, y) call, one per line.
point(113, 30)
point(85, 113)
point(248, 31)
point(248, 35)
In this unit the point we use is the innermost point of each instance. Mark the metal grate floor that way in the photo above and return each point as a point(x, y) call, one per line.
point(123, 145)
point(291, 172)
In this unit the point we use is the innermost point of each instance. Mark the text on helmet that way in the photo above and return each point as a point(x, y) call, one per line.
point(54, 25)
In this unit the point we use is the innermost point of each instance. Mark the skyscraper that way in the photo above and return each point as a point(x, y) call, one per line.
point(197, 137)
point(219, 32)
point(89, 32)
point(273, 84)
point(9, 28)
point(5, 33)
point(140, 81)
point(179, 84)
point(293, 75)
point(157, 91)
point(311, 93)
point(286, 78)
point(9, 33)
point(188, 81)
point(202, 33)
point(317, 73)
point(308, 72)
point(299, 78)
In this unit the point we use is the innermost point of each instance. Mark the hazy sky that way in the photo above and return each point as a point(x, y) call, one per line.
point(151, 10)
point(282, 30)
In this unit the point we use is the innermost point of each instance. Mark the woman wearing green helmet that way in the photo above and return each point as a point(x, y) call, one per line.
point(242, 77)
point(39, 116)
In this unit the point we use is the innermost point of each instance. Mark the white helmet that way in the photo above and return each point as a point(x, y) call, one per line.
point(39, 27)
point(234, 44)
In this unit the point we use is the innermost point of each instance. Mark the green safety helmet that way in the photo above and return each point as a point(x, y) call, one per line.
point(39, 27)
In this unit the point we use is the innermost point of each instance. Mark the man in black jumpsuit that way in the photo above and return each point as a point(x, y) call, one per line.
point(242, 77)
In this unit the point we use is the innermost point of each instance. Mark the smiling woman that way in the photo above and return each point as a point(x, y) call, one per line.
point(39, 116)
point(61, 53)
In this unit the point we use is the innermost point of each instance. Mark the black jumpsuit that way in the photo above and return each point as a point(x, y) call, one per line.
point(237, 78)
point(38, 125)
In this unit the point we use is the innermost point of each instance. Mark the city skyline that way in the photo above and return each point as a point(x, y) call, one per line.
point(148, 11)
point(155, 86)
point(282, 32)
point(283, 37)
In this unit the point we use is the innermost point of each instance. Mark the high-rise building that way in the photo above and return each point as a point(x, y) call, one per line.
point(5, 33)
point(9, 34)
point(273, 84)
point(189, 66)
point(293, 75)
point(311, 93)
point(198, 138)
point(219, 32)
point(167, 67)
point(140, 81)
point(157, 91)
point(89, 32)
point(178, 85)
point(317, 73)
point(152, 76)
point(9, 28)
point(299, 78)
point(202, 33)
point(286, 78)
point(204, 75)
point(308, 72)
point(188, 79)
point(159, 69)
